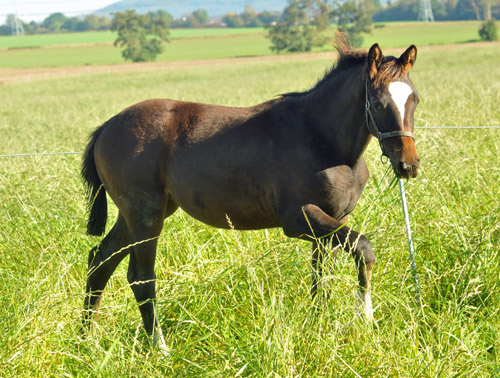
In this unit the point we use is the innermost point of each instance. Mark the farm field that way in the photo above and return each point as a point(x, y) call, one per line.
point(237, 303)
point(196, 44)
point(97, 37)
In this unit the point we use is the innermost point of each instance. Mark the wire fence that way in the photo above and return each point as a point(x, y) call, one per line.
point(416, 127)
point(43, 154)
point(401, 187)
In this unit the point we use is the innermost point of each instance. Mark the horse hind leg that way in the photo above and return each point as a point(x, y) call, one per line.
point(102, 262)
point(141, 273)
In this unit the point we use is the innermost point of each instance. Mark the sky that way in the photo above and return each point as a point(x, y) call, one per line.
point(38, 10)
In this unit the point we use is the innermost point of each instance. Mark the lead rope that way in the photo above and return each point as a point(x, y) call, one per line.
point(410, 241)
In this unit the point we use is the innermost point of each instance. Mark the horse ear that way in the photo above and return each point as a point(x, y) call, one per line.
point(374, 60)
point(408, 58)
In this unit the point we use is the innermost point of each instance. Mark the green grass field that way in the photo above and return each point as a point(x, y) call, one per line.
point(56, 50)
point(237, 303)
point(64, 39)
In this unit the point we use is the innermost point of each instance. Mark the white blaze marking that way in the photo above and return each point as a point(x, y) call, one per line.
point(400, 92)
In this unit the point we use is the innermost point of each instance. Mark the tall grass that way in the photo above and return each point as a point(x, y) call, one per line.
point(237, 303)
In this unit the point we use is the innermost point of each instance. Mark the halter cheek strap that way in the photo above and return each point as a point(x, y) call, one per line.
point(375, 130)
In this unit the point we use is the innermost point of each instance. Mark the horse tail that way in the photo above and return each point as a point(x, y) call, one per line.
point(97, 204)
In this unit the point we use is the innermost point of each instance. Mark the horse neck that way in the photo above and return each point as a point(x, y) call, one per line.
point(337, 107)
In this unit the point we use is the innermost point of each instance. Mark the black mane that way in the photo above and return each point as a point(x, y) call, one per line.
point(349, 58)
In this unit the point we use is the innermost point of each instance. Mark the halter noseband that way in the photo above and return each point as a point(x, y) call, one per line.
point(375, 130)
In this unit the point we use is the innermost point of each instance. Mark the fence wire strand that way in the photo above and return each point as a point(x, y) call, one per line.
point(416, 127)
point(43, 154)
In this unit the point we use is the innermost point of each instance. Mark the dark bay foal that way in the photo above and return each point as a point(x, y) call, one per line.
point(294, 162)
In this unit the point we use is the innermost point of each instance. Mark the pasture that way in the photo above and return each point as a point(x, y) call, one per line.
point(237, 303)
point(91, 48)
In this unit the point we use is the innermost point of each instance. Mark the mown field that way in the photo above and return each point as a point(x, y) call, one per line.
point(237, 303)
point(57, 50)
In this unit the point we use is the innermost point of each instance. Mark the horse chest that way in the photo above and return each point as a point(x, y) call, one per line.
point(341, 188)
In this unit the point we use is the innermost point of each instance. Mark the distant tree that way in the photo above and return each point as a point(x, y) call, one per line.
point(267, 18)
point(197, 19)
point(95, 22)
point(4, 28)
point(161, 16)
point(54, 22)
point(250, 18)
point(179, 22)
point(32, 28)
point(300, 27)
point(191, 21)
point(353, 18)
point(142, 36)
point(233, 20)
point(488, 30)
point(73, 24)
point(202, 16)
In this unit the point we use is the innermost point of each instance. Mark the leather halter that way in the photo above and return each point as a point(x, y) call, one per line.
point(375, 130)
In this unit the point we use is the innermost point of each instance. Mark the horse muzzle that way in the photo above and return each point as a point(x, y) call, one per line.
point(403, 156)
point(405, 168)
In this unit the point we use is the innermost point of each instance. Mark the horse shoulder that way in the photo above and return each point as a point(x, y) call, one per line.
point(342, 187)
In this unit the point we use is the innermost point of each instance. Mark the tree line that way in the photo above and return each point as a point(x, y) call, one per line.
point(300, 27)
point(58, 22)
point(399, 10)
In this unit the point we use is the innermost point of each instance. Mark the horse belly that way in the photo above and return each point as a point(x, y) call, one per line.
point(225, 201)
point(238, 212)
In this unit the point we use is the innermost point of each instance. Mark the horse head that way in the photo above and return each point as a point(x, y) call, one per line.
point(391, 99)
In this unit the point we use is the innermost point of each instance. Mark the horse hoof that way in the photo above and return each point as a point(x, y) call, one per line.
point(364, 305)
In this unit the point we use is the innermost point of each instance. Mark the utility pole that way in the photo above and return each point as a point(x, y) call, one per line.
point(425, 11)
point(17, 26)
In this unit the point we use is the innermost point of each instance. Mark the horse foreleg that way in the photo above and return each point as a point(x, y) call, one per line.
point(317, 268)
point(365, 260)
point(322, 259)
point(313, 224)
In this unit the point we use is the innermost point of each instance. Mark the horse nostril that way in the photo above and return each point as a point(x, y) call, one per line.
point(408, 170)
point(404, 166)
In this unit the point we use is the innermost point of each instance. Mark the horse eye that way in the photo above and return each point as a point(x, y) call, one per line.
point(378, 106)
